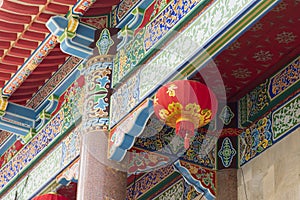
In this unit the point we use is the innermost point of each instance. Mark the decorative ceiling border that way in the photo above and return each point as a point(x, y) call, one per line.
point(269, 93)
point(40, 53)
point(159, 69)
point(275, 125)
point(41, 142)
point(62, 157)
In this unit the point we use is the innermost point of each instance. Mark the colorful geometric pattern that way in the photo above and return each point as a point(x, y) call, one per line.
point(269, 93)
point(148, 181)
point(150, 76)
point(202, 179)
point(61, 122)
point(54, 82)
point(227, 152)
point(49, 167)
point(286, 117)
point(274, 126)
point(151, 35)
point(226, 115)
point(97, 93)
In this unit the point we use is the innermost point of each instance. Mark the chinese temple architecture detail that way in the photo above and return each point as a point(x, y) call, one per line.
point(149, 99)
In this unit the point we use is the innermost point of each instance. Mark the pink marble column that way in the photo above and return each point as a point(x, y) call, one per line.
point(99, 178)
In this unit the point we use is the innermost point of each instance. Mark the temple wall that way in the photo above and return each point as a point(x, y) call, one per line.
point(275, 174)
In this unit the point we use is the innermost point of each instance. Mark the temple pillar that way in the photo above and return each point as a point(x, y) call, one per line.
point(227, 184)
point(227, 154)
point(99, 178)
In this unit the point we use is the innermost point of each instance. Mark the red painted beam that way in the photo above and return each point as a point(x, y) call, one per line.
point(4, 76)
point(19, 52)
point(25, 91)
point(8, 36)
point(57, 9)
point(98, 11)
point(38, 77)
point(20, 98)
point(30, 35)
point(26, 44)
point(20, 8)
point(35, 26)
point(65, 2)
point(44, 70)
point(11, 60)
point(43, 17)
point(57, 54)
point(34, 2)
point(4, 45)
point(8, 68)
point(30, 84)
point(51, 62)
point(11, 27)
point(14, 18)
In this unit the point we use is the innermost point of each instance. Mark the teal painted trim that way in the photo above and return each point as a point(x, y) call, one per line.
point(7, 144)
point(245, 113)
point(123, 141)
point(158, 187)
point(192, 181)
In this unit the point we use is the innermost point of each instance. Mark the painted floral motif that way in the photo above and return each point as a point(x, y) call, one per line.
point(51, 165)
point(258, 99)
point(284, 79)
point(105, 42)
point(97, 94)
point(54, 81)
point(257, 26)
point(235, 45)
point(152, 74)
point(146, 182)
point(202, 150)
point(227, 152)
point(286, 117)
point(285, 37)
point(31, 150)
point(226, 115)
point(263, 56)
point(174, 192)
point(241, 73)
point(43, 50)
point(167, 19)
point(98, 22)
point(255, 139)
point(124, 7)
point(203, 179)
point(280, 7)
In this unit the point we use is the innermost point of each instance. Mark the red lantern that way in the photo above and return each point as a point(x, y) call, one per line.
point(50, 196)
point(185, 105)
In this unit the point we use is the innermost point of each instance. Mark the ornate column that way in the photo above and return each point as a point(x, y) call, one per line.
point(99, 177)
point(227, 155)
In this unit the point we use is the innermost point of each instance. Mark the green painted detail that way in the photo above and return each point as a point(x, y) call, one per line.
point(105, 42)
point(286, 117)
point(29, 136)
point(269, 94)
point(44, 115)
point(226, 115)
point(159, 186)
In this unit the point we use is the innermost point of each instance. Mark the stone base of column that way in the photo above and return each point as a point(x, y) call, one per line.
point(227, 184)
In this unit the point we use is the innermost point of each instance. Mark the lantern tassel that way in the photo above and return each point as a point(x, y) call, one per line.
point(186, 141)
point(185, 129)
